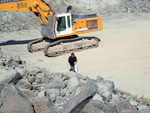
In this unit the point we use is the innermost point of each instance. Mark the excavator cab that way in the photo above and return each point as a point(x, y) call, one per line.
point(60, 24)
point(63, 24)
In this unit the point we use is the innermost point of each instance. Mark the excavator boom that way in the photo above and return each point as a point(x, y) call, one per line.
point(40, 8)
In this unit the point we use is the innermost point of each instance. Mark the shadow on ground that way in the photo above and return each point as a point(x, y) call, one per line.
point(15, 42)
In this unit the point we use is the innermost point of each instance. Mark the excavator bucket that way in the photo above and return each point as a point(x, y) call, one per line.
point(49, 30)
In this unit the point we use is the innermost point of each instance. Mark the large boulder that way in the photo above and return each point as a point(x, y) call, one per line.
point(9, 76)
point(76, 102)
point(13, 102)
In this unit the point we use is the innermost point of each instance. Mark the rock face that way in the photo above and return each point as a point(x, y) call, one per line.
point(104, 6)
point(29, 89)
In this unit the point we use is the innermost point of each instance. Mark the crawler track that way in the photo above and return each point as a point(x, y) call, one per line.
point(58, 47)
point(70, 45)
point(38, 45)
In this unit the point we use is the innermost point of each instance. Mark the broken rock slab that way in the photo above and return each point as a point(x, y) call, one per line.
point(9, 76)
point(76, 102)
point(12, 102)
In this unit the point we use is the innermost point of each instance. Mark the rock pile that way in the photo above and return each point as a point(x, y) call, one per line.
point(17, 21)
point(103, 7)
point(29, 89)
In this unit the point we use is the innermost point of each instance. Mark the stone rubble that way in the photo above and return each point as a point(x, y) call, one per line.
point(29, 89)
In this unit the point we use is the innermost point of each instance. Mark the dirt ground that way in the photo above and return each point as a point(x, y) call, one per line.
point(123, 55)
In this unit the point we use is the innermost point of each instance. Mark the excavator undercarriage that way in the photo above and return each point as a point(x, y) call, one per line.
point(62, 46)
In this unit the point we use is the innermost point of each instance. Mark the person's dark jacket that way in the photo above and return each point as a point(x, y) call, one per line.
point(72, 60)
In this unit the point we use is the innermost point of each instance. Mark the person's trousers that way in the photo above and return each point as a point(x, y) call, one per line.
point(72, 68)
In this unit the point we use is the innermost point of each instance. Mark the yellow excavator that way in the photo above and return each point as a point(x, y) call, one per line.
point(59, 31)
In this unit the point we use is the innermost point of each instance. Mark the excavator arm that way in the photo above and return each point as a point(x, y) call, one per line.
point(39, 7)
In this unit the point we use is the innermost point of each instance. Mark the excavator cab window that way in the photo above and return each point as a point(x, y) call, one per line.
point(68, 19)
point(61, 23)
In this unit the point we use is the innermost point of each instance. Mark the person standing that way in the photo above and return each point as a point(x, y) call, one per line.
point(72, 61)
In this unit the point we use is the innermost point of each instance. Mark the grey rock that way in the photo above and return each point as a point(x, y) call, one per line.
point(82, 81)
point(146, 110)
point(133, 102)
point(99, 79)
point(1, 54)
point(56, 85)
point(106, 96)
point(24, 84)
point(56, 76)
point(60, 102)
point(73, 82)
point(42, 94)
point(76, 102)
point(35, 85)
point(32, 70)
point(1, 62)
point(28, 94)
point(106, 107)
point(9, 76)
point(105, 86)
point(32, 79)
point(110, 85)
point(16, 103)
point(115, 98)
point(141, 107)
point(131, 111)
point(22, 71)
point(17, 59)
point(47, 77)
point(70, 74)
point(45, 100)
point(53, 110)
point(64, 92)
point(42, 104)
point(38, 77)
point(53, 91)
point(91, 107)
point(137, 111)
point(123, 105)
point(143, 100)
point(97, 97)
point(12, 61)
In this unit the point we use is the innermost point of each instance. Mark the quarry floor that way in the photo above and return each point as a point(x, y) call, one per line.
point(123, 55)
